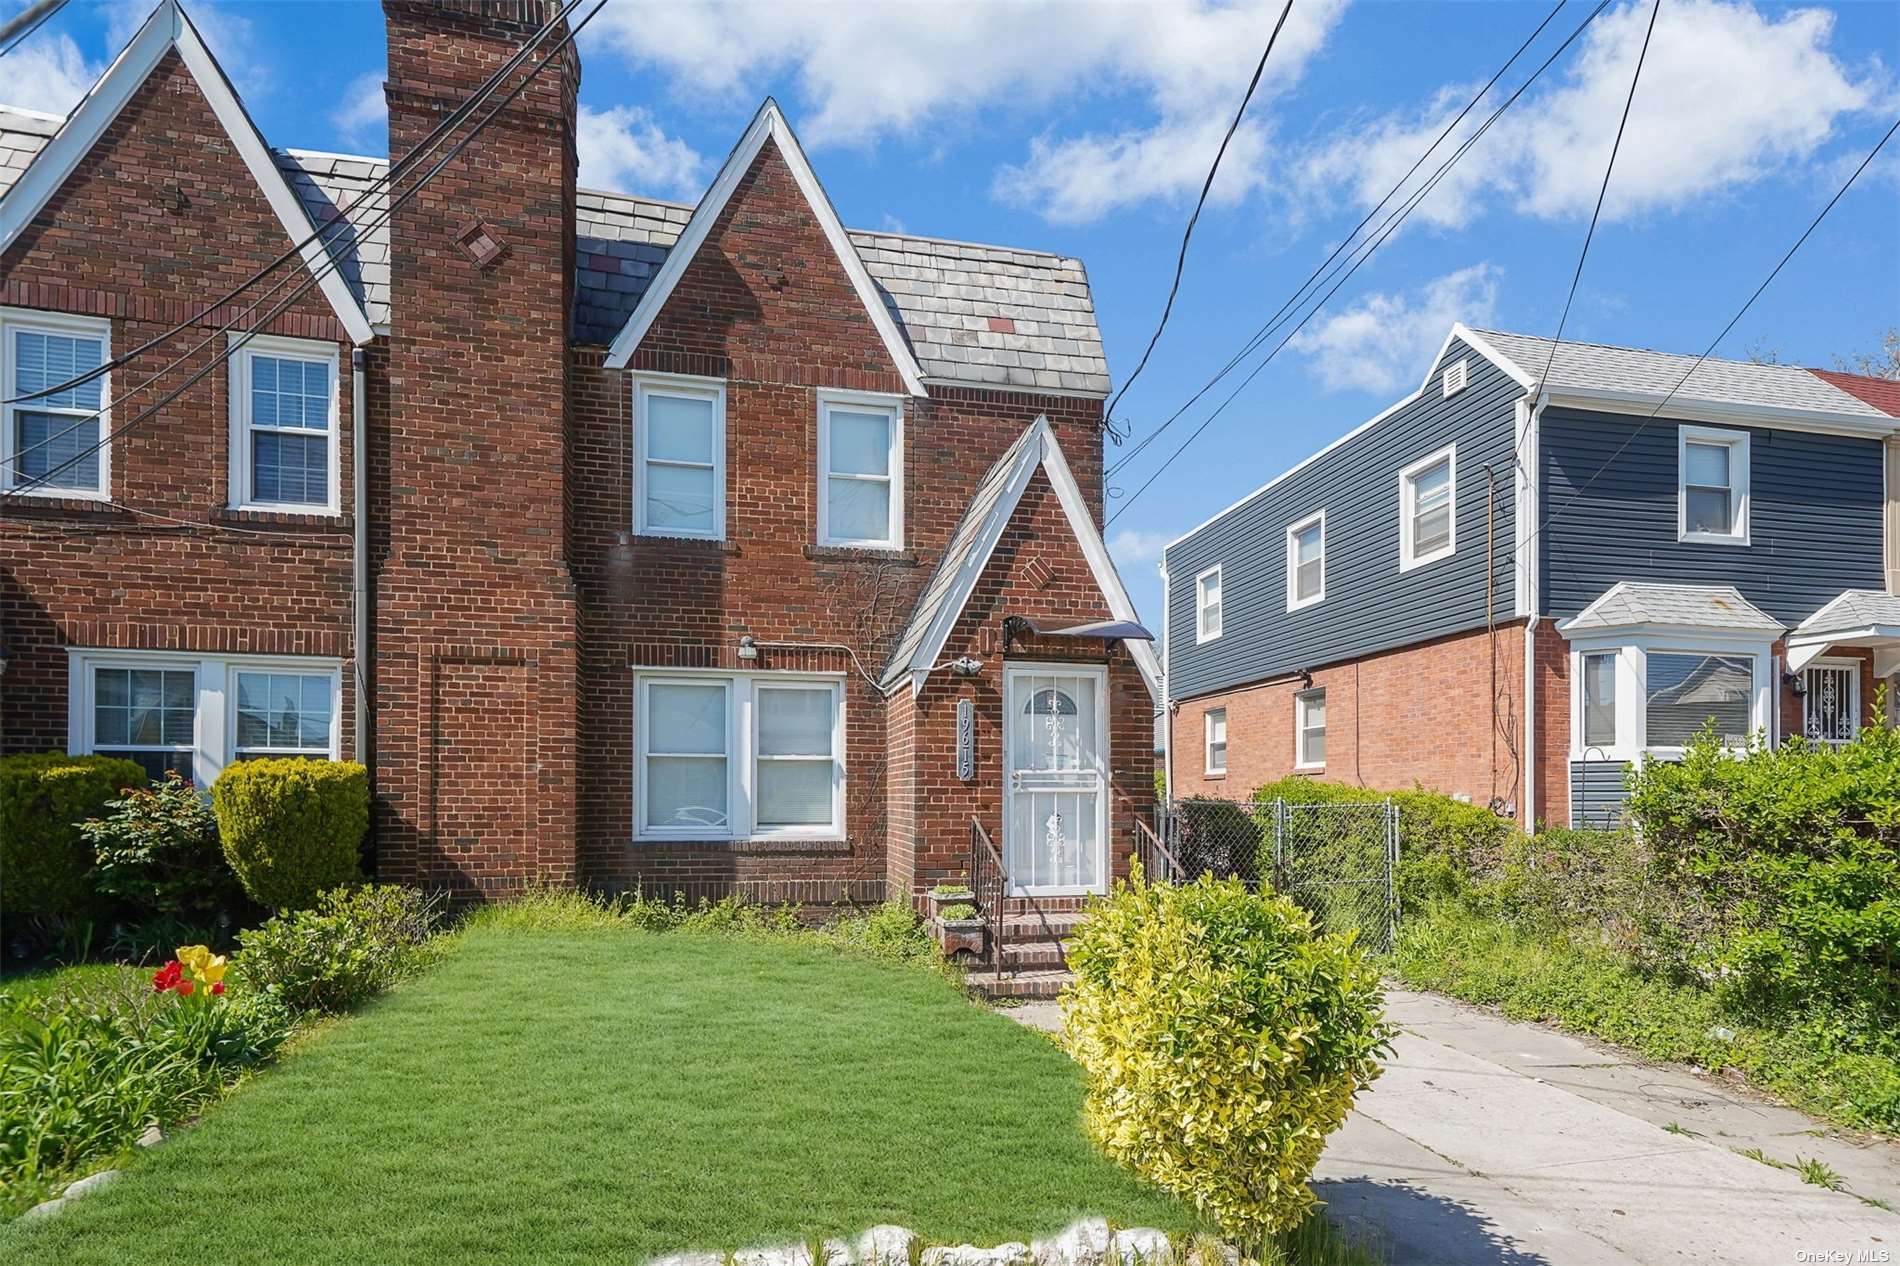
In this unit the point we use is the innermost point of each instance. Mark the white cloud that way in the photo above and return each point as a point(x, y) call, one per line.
point(49, 73)
point(1132, 546)
point(866, 72)
point(1728, 96)
point(624, 149)
point(363, 117)
point(1380, 342)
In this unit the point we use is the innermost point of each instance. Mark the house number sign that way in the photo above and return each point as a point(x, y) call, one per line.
point(966, 740)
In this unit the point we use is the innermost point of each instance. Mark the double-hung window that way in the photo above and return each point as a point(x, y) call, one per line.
point(1207, 605)
point(679, 477)
point(1712, 486)
point(860, 471)
point(284, 425)
point(1216, 737)
point(54, 444)
point(196, 714)
point(1309, 729)
point(1599, 700)
point(1306, 562)
point(1428, 492)
point(745, 756)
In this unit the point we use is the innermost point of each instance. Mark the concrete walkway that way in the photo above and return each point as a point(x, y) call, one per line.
point(1494, 1143)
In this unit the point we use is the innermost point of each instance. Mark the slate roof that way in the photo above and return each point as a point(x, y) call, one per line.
point(977, 315)
point(961, 552)
point(1689, 606)
point(1855, 609)
point(1600, 367)
point(23, 134)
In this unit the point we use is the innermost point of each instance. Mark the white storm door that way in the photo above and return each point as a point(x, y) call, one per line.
point(1055, 756)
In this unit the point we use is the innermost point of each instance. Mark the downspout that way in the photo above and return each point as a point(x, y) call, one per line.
point(359, 556)
point(1528, 818)
point(1529, 550)
point(1167, 704)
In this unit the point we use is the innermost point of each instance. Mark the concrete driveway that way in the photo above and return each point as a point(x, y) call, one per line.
point(1495, 1143)
point(1489, 1141)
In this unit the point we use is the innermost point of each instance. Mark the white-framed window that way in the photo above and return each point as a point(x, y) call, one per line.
point(1598, 721)
point(1648, 694)
point(679, 468)
point(284, 432)
point(196, 714)
point(1428, 509)
point(1309, 729)
point(1830, 701)
point(1214, 724)
point(55, 445)
point(860, 470)
point(1306, 562)
point(1712, 485)
point(735, 756)
point(1207, 605)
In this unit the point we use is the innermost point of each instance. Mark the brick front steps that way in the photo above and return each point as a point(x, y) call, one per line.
point(1033, 963)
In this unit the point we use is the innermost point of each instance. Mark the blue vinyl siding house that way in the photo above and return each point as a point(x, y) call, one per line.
point(1594, 562)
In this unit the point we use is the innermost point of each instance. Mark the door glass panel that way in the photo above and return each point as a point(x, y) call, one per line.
point(1053, 825)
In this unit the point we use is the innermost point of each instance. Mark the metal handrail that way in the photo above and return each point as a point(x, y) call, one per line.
point(1170, 868)
point(989, 882)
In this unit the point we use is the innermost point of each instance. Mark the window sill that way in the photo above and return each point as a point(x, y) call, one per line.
point(1309, 771)
point(753, 844)
point(1709, 538)
point(322, 520)
point(1413, 564)
point(861, 554)
point(685, 544)
point(62, 503)
point(1218, 775)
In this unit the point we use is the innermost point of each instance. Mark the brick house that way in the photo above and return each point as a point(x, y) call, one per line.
point(1510, 590)
point(629, 544)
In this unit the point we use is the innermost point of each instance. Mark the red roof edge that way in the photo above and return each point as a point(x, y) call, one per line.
point(1882, 393)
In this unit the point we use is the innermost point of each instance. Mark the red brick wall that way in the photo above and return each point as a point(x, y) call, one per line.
point(1414, 715)
point(472, 583)
point(161, 217)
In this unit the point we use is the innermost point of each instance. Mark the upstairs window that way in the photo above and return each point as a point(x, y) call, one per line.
point(1207, 605)
point(1306, 562)
point(1428, 491)
point(55, 444)
point(1216, 723)
point(860, 472)
point(1712, 486)
point(284, 425)
point(1309, 729)
point(680, 457)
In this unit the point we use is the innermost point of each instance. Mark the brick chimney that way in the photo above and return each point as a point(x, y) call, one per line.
point(474, 645)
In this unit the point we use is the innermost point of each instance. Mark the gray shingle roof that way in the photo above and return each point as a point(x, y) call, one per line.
point(23, 134)
point(1687, 606)
point(1854, 609)
point(960, 554)
point(1599, 367)
point(341, 190)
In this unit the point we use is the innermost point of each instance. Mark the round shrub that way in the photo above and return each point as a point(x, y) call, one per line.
point(44, 861)
point(1223, 1042)
point(292, 828)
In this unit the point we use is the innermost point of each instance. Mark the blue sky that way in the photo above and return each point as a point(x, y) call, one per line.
point(1087, 127)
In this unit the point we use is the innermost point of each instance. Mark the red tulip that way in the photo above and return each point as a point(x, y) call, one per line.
point(217, 988)
point(185, 987)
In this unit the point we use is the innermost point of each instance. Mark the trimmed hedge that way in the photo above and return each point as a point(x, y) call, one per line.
point(45, 863)
point(292, 828)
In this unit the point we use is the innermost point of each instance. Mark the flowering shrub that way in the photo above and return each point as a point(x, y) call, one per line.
point(195, 968)
point(157, 850)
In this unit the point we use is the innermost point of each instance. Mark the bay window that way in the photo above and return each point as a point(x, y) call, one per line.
point(1651, 694)
point(739, 756)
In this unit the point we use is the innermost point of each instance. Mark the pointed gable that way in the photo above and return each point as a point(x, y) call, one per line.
point(168, 48)
point(765, 239)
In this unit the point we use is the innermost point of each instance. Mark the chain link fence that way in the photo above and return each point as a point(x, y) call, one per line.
point(1337, 861)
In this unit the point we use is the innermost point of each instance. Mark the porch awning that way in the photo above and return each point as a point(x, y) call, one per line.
point(1100, 630)
point(1863, 618)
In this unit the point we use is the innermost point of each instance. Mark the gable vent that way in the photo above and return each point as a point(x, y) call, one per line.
point(1455, 377)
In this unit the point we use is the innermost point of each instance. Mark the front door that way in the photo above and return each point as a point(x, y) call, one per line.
point(1055, 759)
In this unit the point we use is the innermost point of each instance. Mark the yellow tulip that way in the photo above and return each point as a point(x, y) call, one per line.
point(213, 970)
point(193, 957)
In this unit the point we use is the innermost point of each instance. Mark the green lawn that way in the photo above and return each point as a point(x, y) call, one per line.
point(612, 1095)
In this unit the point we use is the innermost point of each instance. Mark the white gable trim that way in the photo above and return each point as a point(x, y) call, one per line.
point(168, 28)
point(768, 123)
point(1042, 451)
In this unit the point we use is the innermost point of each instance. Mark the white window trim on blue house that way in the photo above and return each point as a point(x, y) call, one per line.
point(1294, 531)
point(1632, 651)
point(1737, 444)
point(1409, 557)
point(1202, 605)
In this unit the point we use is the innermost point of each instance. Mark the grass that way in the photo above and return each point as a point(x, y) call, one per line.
point(86, 978)
point(1589, 989)
point(580, 1096)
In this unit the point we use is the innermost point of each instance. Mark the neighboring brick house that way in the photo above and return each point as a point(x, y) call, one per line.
point(629, 544)
point(1510, 590)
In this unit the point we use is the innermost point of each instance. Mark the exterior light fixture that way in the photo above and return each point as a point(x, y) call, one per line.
point(748, 647)
point(966, 666)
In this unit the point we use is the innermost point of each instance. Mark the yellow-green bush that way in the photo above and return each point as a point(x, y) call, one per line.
point(44, 863)
point(292, 828)
point(1223, 1041)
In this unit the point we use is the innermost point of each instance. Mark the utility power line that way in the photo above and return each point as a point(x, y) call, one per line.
point(1180, 262)
point(28, 20)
